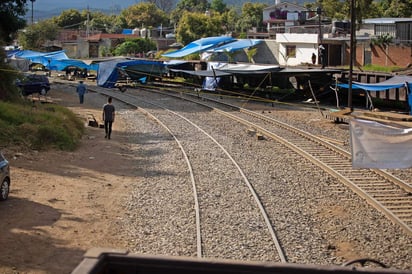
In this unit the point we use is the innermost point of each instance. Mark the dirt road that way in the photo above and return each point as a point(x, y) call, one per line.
point(63, 203)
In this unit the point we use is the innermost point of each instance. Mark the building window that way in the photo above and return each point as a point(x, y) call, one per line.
point(291, 51)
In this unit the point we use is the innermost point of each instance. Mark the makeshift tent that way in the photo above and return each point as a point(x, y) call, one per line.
point(42, 58)
point(217, 70)
point(199, 46)
point(63, 64)
point(108, 72)
point(225, 69)
point(56, 60)
point(397, 81)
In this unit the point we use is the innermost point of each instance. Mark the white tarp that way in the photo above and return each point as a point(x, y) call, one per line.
point(377, 145)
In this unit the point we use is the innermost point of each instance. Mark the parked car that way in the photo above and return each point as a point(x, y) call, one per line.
point(33, 83)
point(5, 178)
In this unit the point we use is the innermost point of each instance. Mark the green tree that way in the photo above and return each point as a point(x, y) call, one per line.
point(11, 13)
point(230, 19)
point(194, 26)
point(396, 8)
point(34, 36)
point(338, 10)
point(164, 5)
point(71, 19)
point(252, 15)
point(8, 89)
point(218, 6)
point(103, 22)
point(197, 6)
point(142, 15)
point(133, 46)
point(334, 9)
point(250, 52)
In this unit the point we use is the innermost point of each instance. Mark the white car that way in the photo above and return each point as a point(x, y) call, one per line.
point(5, 178)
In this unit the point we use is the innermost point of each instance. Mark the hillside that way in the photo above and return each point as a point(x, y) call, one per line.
point(44, 9)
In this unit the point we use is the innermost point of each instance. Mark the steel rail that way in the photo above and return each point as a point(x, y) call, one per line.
point(199, 251)
point(396, 205)
point(269, 225)
point(276, 241)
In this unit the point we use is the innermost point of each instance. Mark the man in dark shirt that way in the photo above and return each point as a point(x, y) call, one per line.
point(81, 90)
point(108, 117)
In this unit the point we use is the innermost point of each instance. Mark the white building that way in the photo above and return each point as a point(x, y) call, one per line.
point(296, 48)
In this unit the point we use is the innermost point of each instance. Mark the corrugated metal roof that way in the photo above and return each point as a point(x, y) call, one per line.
point(387, 20)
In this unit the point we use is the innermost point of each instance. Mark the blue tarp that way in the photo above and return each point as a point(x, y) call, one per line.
point(397, 81)
point(40, 57)
point(108, 72)
point(62, 64)
point(127, 31)
point(56, 60)
point(199, 46)
point(236, 45)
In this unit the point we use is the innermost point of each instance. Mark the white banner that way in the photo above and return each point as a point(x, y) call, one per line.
point(376, 145)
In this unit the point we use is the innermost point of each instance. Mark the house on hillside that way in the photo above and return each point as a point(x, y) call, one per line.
point(280, 17)
point(398, 28)
point(389, 42)
point(104, 42)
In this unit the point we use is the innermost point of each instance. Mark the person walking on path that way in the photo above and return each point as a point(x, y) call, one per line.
point(108, 117)
point(313, 58)
point(81, 90)
point(322, 55)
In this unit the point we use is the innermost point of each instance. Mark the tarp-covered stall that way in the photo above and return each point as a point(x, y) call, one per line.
point(397, 81)
point(56, 60)
point(109, 71)
point(42, 58)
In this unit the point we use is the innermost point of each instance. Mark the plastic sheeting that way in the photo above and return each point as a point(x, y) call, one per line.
point(199, 46)
point(56, 60)
point(397, 81)
point(236, 45)
point(108, 72)
point(376, 145)
point(248, 68)
point(40, 57)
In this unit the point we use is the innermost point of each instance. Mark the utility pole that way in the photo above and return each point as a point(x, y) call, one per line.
point(87, 23)
point(352, 51)
point(32, 11)
point(319, 13)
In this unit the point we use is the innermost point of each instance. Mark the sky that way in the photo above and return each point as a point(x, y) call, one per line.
point(59, 4)
point(43, 9)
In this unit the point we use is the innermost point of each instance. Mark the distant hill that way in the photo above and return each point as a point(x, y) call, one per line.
point(44, 9)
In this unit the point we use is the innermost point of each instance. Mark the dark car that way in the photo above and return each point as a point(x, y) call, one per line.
point(5, 178)
point(33, 83)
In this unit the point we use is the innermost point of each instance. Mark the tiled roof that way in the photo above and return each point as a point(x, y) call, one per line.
point(98, 37)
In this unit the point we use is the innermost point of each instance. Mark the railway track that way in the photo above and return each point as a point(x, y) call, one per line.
point(388, 194)
point(221, 199)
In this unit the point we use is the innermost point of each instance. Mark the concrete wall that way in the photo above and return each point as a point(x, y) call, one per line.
point(267, 53)
point(391, 55)
point(306, 44)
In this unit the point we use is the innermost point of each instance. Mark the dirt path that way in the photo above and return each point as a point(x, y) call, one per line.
point(63, 203)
